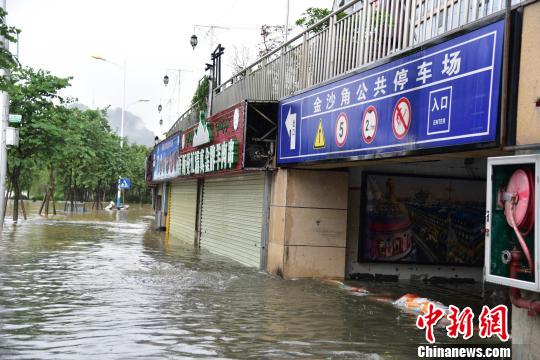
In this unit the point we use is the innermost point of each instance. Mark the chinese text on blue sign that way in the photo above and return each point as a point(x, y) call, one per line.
point(445, 95)
point(165, 158)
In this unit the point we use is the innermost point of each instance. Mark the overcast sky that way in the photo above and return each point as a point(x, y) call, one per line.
point(151, 36)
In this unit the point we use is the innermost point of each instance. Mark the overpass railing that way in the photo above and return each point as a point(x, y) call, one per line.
point(357, 34)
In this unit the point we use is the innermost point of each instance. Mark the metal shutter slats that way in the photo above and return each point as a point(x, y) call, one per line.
point(231, 217)
point(183, 211)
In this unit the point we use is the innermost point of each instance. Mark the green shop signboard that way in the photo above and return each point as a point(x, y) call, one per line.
point(214, 145)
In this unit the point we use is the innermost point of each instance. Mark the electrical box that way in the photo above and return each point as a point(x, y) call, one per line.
point(12, 136)
point(511, 221)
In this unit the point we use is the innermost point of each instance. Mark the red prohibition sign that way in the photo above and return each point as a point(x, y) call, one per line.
point(401, 118)
point(342, 128)
point(370, 122)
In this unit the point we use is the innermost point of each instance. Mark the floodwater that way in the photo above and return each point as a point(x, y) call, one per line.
point(106, 286)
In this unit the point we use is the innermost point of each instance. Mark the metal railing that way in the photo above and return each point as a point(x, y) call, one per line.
point(357, 34)
point(189, 118)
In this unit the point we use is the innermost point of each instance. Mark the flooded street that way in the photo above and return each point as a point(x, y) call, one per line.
point(102, 286)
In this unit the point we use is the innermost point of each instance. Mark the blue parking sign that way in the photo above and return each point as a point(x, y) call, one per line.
point(124, 183)
point(444, 95)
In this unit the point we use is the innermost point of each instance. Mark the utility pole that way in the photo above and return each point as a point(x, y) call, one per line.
point(4, 111)
point(179, 85)
point(123, 104)
point(123, 68)
point(215, 74)
point(287, 21)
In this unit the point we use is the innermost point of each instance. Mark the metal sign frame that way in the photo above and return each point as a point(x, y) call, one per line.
point(357, 153)
point(512, 160)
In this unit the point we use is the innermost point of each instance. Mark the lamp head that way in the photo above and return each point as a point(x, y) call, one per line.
point(193, 41)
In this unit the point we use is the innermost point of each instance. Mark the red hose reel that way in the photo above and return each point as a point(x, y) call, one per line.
point(517, 199)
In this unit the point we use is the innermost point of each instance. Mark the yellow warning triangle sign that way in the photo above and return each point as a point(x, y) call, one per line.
point(319, 137)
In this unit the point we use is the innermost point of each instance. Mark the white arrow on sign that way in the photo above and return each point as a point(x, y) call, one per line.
point(290, 124)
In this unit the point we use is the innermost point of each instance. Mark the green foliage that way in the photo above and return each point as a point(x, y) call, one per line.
point(200, 97)
point(66, 148)
point(7, 59)
point(34, 95)
point(313, 15)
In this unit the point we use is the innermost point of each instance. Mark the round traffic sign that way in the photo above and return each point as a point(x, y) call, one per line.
point(370, 121)
point(401, 118)
point(342, 128)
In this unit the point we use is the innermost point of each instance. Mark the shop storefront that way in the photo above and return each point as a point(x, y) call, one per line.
point(218, 174)
point(232, 217)
point(183, 214)
point(412, 135)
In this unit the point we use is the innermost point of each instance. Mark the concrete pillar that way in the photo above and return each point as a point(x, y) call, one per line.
point(308, 224)
point(525, 332)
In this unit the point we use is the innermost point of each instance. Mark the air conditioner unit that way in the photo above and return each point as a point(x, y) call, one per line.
point(512, 237)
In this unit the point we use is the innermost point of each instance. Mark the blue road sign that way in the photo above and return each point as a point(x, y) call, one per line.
point(124, 183)
point(442, 96)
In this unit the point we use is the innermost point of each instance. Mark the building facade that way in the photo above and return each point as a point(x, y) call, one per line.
point(385, 124)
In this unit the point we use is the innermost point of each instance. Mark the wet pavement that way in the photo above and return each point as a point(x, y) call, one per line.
point(108, 287)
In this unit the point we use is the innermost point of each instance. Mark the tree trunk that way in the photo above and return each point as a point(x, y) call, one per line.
point(72, 191)
point(43, 202)
point(6, 199)
point(47, 200)
point(52, 198)
point(16, 202)
point(17, 194)
point(23, 209)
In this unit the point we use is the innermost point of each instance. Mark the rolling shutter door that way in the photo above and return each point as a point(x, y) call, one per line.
point(183, 211)
point(231, 217)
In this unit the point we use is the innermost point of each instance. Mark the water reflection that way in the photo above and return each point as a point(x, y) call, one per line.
point(106, 286)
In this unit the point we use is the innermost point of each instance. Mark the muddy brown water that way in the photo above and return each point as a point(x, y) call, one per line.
point(105, 286)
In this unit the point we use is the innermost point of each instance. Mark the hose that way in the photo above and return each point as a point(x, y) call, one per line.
point(522, 242)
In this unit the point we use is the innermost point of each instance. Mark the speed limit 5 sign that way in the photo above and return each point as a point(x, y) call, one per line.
point(342, 128)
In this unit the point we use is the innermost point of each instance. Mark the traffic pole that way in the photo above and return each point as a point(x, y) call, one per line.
point(4, 112)
point(119, 193)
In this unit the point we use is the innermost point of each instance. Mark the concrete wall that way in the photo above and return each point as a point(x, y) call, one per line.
point(526, 329)
point(528, 115)
point(525, 333)
point(451, 168)
point(308, 222)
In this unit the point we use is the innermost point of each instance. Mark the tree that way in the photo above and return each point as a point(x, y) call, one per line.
point(7, 59)
point(34, 95)
point(313, 15)
point(241, 59)
point(66, 148)
point(272, 37)
point(200, 97)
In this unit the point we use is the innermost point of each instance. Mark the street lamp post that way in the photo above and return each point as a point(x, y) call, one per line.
point(119, 192)
point(123, 68)
point(179, 84)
